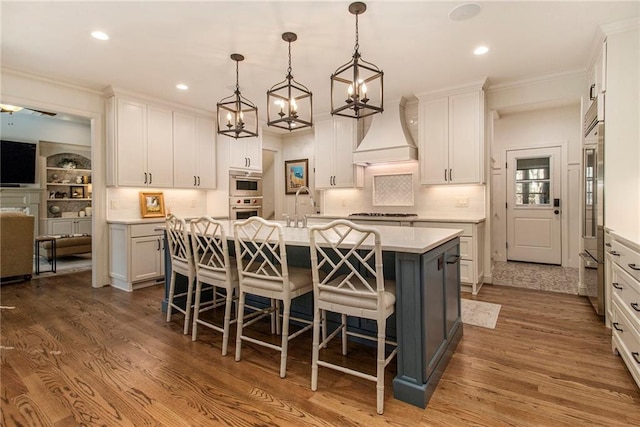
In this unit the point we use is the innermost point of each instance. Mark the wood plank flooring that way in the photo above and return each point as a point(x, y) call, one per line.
point(73, 355)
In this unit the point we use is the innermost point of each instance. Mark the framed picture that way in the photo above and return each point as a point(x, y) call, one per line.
point(152, 205)
point(77, 192)
point(296, 174)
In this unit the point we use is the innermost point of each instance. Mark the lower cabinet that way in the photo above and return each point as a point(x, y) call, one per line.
point(625, 303)
point(471, 251)
point(136, 255)
point(61, 226)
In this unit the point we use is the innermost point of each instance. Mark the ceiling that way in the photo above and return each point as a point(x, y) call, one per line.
point(154, 45)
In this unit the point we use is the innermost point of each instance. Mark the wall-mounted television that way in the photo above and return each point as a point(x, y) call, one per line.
point(17, 163)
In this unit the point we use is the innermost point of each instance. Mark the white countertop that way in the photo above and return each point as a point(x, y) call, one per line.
point(136, 221)
point(394, 238)
point(473, 219)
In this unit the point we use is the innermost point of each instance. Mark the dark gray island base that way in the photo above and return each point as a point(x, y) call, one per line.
point(428, 321)
point(428, 324)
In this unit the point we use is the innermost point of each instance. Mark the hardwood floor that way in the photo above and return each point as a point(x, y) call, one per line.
point(73, 355)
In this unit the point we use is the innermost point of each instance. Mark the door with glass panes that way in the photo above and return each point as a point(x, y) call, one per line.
point(534, 232)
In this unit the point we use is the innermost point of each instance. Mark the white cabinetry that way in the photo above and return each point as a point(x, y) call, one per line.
point(335, 140)
point(245, 153)
point(62, 226)
point(140, 144)
point(625, 313)
point(471, 251)
point(451, 137)
point(136, 255)
point(598, 73)
point(194, 155)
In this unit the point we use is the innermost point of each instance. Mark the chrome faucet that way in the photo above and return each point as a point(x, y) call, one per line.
point(295, 211)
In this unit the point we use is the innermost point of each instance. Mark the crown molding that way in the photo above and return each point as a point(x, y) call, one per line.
point(538, 80)
point(118, 91)
point(620, 26)
point(68, 84)
point(452, 90)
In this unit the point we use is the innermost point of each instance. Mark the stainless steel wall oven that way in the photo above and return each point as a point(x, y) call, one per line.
point(245, 195)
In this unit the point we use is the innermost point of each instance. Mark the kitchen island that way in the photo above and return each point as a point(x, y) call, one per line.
point(425, 264)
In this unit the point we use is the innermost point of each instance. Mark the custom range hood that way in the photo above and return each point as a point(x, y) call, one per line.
point(388, 139)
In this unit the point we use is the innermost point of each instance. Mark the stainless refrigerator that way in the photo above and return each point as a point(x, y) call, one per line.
point(592, 259)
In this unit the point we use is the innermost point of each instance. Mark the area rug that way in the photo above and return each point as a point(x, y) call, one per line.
point(479, 313)
point(65, 265)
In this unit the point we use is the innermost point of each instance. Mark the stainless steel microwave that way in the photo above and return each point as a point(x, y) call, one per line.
point(245, 184)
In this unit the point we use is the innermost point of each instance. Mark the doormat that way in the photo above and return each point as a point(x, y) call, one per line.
point(478, 313)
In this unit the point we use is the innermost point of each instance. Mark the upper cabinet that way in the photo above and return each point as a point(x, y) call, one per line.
point(598, 73)
point(150, 144)
point(451, 137)
point(140, 144)
point(194, 156)
point(335, 140)
point(245, 153)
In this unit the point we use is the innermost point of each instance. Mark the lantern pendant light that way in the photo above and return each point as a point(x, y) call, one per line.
point(237, 116)
point(357, 86)
point(289, 103)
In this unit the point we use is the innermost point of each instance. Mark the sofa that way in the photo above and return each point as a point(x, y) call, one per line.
point(71, 245)
point(16, 245)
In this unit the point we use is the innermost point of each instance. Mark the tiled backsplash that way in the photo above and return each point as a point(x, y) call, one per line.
point(428, 201)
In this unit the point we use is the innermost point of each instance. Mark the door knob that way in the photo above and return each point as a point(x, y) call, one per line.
point(556, 211)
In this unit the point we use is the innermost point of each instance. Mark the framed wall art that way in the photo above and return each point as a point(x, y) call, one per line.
point(77, 192)
point(152, 205)
point(296, 174)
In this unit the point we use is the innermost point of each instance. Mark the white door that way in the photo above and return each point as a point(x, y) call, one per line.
point(534, 205)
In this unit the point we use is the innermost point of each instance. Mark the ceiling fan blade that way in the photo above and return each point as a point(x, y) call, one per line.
point(46, 113)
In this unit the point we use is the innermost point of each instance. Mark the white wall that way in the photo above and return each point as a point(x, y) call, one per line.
point(547, 127)
point(31, 128)
point(622, 135)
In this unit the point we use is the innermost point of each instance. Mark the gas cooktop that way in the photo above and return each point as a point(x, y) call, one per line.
point(382, 214)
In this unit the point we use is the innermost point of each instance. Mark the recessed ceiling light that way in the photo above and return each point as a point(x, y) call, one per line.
point(182, 86)
point(464, 11)
point(99, 35)
point(480, 50)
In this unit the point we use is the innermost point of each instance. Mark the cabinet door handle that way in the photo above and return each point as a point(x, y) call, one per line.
point(198, 180)
point(145, 177)
point(616, 285)
point(150, 177)
point(591, 92)
point(445, 175)
point(450, 178)
point(249, 159)
point(454, 259)
point(616, 327)
point(614, 253)
point(634, 267)
point(195, 181)
point(158, 242)
point(608, 245)
point(635, 355)
point(635, 306)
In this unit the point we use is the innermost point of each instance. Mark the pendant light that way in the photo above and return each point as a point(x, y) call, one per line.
point(237, 116)
point(289, 103)
point(356, 87)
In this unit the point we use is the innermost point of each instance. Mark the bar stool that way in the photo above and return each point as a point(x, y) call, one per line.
point(181, 263)
point(262, 268)
point(351, 257)
point(213, 267)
